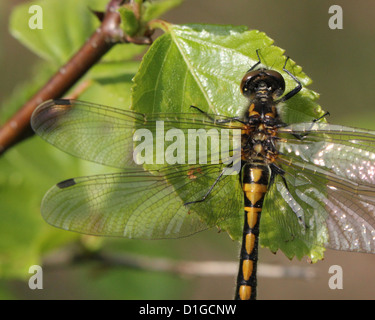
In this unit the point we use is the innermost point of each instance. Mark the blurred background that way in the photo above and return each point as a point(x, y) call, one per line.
point(341, 64)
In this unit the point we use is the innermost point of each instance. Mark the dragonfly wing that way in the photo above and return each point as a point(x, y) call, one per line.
point(294, 217)
point(347, 152)
point(132, 204)
point(107, 135)
point(330, 178)
point(102, 135)
point(351, 223)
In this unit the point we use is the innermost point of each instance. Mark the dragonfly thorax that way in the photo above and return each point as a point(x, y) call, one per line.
point(259, 143)
point(261, 118)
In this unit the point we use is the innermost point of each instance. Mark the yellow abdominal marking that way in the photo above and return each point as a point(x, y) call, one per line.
point(247, 269)
point(244, 292)
point(249, 245)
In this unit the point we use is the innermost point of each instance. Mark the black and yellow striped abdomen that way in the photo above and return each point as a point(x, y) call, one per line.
point(259, 151)
point(255, 177)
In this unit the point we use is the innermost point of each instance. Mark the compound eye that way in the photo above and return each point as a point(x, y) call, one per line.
point(248, 83)
point(276, 82)
point(277, 77)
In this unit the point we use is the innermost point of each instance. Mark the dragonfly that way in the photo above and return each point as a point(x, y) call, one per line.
point(310, 184)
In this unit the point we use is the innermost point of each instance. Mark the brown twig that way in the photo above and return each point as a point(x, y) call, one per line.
point(109, 33)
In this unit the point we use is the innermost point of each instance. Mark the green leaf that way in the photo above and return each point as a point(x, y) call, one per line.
point(129, 22)
point(66, 27)
point(72, 23)
point(111, 84)
point(202, 65)
point(280, 229)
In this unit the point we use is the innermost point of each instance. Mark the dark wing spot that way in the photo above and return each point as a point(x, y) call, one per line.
point(66, 183)
point(62, 102)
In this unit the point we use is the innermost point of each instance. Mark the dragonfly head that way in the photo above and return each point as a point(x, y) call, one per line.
point(266, 81)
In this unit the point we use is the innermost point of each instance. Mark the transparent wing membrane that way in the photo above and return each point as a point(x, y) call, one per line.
point(139, 204)
point(107, 135)
point(331, 172)
point(328, 187)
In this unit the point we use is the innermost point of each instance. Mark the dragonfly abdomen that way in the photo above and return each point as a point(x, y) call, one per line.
point(254, 184)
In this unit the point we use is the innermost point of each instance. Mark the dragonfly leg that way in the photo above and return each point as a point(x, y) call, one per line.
point(255, 65)
point(217, 121)
point(205, 113)
point(275, 170)
point(209, 190)
point(302, 136)
point(297, 89)
point(321, 117)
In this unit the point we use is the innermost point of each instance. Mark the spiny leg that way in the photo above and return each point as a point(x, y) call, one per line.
point(217, 121)
point(255, 65)
point(292, 93)
point(302, 136)
point(209, 190)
